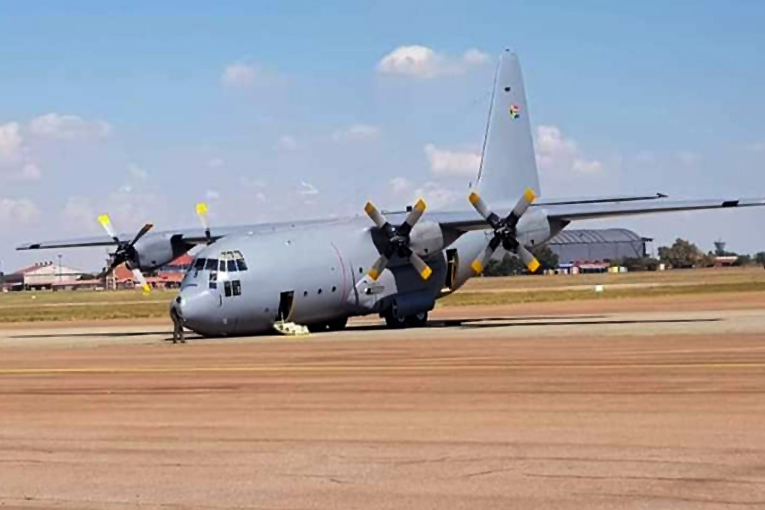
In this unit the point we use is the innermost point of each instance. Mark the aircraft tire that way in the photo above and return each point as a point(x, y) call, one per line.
point(319, 327)
point(337, 324)
point(393, 321)
point(419, 320)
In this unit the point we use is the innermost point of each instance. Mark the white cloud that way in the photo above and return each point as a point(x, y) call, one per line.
point(137, 173)
point(11, 142)
point(216, 163)
point(445, 162)
point(30, 172)
point(688, 158)
point(558, 154)
point(240, 74)
point(287, 143)
point(21, 211)
point(68, 127)
point(308, 189)
point(422, 62)
point(399, 185)
point(436, 195)
point(212, 194)
point(79, 215)
point(356, 132)
point(756, 146)
point(254, 187)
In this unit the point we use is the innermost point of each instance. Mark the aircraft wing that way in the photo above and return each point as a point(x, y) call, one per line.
point(188, 236)
point(571, 210)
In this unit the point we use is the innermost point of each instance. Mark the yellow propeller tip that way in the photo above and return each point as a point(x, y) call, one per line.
point(474, 197)
point(533, 265)
point(104, 219)
point(369, 208)
point(425, 274)
point(373, 274)
point(477, 267)
point(146, 289)
point(420, 205)
point(529, 195)
point(201, 208)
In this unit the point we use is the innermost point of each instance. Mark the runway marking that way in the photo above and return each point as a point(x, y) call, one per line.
point(403, 368)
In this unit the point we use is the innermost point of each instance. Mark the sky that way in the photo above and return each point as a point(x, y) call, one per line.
point(289, 110)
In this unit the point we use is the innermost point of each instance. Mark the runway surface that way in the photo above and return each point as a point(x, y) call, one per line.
point(522, 407)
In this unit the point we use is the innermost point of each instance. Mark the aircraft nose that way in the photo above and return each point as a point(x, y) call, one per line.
point(194, 307)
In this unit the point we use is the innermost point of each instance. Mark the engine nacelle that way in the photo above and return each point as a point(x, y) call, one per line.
point(535, 228)
point(428, 237)
point(154, 251)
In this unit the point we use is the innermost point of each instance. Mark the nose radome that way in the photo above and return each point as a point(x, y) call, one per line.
point(195, 307)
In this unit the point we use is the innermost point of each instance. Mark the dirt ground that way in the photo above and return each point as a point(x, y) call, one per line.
point(624, 405)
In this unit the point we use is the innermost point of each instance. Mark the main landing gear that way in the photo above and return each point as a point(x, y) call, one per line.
point(393, 321)
point(333, 325)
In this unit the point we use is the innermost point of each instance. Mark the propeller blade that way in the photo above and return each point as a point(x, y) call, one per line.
point(480, 205)
point(204, 219)
point(378, 267)
point(521, 207)
point(107, 224)
point(479, 264)
point(138, 275)
point(376, 216)
point(421, 266)
point(413, 217)
point(141, 233)
point(528, 258)
point(106, 272)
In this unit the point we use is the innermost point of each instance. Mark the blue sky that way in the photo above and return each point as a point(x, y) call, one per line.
point(284, 110)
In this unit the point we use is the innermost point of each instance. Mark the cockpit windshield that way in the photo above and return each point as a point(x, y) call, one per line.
point(229, 262)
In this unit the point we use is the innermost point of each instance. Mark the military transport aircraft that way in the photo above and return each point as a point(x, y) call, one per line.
point(318, 273)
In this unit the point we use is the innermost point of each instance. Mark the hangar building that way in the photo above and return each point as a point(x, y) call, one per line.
point(595, 246)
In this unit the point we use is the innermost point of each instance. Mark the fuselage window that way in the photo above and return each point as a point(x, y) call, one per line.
point(236, 287)
point(227, 288)
point(213, 280)
point(199, 264)
point(212, 265)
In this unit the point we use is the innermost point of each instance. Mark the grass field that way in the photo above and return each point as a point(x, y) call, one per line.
point(90, 305)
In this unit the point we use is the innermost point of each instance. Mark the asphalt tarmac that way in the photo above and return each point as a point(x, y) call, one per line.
point(565, 406)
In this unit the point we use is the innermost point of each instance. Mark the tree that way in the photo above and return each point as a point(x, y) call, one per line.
point(510, 265)
point(640, 264)
point(743, 260)
point(760, 258)
point(547, 258)
point(682, 254)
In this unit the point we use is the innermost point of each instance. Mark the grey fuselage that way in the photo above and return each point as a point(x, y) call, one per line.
point(316, 274)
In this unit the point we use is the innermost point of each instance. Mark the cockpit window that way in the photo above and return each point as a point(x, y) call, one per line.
point(212, 265)
point(199, 264)
point(222, 266)
point(231, 266)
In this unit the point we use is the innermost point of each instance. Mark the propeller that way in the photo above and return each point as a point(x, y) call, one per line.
point(205, 220)
point(397, 240)
point(125, 252)
point(505, 233)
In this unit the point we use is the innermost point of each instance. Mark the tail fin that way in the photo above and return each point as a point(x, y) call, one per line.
point(508, 164)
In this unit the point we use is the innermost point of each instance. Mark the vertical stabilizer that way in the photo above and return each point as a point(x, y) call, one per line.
point(508, 165)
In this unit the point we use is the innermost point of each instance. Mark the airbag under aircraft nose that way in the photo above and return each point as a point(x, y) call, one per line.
point(196, 307)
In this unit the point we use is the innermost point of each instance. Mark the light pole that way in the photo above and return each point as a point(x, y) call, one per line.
point(59, 269)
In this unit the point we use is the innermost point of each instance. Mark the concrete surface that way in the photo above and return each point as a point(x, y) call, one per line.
point(517, 407)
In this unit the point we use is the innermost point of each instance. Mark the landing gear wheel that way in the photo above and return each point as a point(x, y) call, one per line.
point(338, 324)
point(418, 320)
point(393, 321)
point(319, 327)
